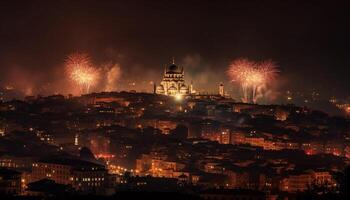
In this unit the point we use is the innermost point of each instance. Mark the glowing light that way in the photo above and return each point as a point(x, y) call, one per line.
point(253, 77)
point(178, 97)
point(81, 71)
point(347, 109)
point(309, 152)
point(105, 156)
point(9, 87)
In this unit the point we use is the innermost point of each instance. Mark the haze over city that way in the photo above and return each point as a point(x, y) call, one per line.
point(308, 40)
point(195, 99)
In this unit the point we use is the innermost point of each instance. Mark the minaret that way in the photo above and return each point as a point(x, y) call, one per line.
point(76, 140)
point(191, 87)
point(154, 88)
point(221, 89)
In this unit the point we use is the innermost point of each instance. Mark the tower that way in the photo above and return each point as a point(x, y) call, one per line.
point(76, 140)
point(191, 87)
point(154, 88)
point(221, 89)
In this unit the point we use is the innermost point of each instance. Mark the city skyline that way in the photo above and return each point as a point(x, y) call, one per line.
point(187, 99)
point(146, 37)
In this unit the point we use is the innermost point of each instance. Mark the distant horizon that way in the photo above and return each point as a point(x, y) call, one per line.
point(319, 105)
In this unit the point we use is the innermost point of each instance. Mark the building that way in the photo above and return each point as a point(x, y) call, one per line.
point(10, 182)
point(16, 163)
point(173, 83)
point(82, 175)
point(300, 182)
point(158, 166)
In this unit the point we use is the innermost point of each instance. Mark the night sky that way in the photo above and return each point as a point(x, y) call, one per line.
point(308, 39)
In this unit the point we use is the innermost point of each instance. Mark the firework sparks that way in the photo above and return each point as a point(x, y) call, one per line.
point(253, 77)
point(81, 71)
point(269, 70)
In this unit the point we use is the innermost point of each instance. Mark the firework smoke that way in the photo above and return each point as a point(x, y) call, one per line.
point(81, 71)
point(113, 74)
point(253, 77)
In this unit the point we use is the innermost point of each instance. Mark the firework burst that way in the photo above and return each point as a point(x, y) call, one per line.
point(81, 71)
point(253, 77)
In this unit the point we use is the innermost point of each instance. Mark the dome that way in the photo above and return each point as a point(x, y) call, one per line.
point(174, 68)
point(160, 88)
point(183, 87)
point(172, 88)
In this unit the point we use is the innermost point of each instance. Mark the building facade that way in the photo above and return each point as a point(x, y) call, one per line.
point(81, 175)
point(173, 82)
point(10, 182)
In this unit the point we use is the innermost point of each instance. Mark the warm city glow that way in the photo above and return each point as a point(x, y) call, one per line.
point(118, 100)
point(178, 97)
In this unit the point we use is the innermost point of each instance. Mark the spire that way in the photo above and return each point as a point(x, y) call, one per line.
point(154, 88)
point(221, 89)
point(173, 60)
point(191, 87)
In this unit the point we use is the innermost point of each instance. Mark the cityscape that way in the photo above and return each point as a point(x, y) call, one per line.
point(132, 99)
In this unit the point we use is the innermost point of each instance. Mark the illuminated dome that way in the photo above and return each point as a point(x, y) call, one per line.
point(173, 82)
point(174, 68)
point(183, 89)
point(172, 88)
point(160, 89)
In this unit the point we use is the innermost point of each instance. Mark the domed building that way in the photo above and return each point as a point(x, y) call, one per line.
point(173, 82)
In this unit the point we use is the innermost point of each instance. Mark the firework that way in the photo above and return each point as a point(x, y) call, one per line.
point(241, 71)
point(81, 71)
point(253, 77)
point(269, 69)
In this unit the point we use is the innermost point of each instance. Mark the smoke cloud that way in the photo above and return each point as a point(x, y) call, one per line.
point(205, 78)
point(121, 72)
point(113, 74)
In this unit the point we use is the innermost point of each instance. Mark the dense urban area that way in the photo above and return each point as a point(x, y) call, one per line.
point(205, 146)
